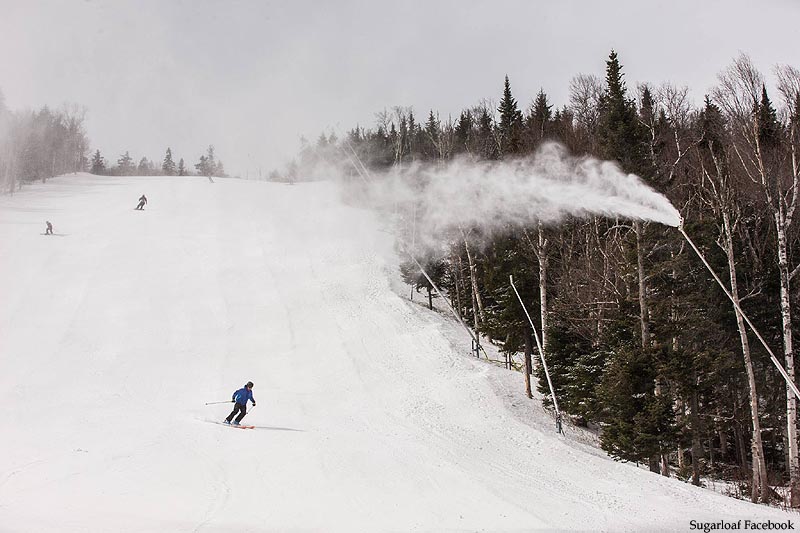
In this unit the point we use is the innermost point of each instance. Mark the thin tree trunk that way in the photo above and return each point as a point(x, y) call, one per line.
point(541, 253)
point(723, 437)
point(697, 448)
point(477, 303)
point(786, 319)
point(658, 463)
point(760, 485)
point(680, 407)
point(460, 285)
point(643, 310)
point(528, 363)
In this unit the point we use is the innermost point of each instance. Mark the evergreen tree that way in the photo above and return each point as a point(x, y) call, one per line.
point(144, 168)
point(463, 132)
point(486, 140)
point(647, 111)
point(168, 166)
point(181, 168)
point(769, 129)
point(576, 367)
point(435, 267)
point(125, 165)
point(432, 137)
point(412, 135)
point(211, 162)
point(622, 136)
point(203, 168)
point(539, 121)
point(510, 126)
point(98, 163)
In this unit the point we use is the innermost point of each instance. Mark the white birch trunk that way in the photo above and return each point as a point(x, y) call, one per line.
point(786, 319)
point(760, 486)
point(476, 295)
point(543, 263)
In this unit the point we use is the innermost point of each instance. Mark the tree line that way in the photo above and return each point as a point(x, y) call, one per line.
point(208, 165)
point(41, 144)
point(641, 343)
point(37, 145)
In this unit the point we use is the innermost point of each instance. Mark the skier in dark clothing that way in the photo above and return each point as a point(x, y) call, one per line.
point(240, 397)
point(49, 230)
point(142, 202)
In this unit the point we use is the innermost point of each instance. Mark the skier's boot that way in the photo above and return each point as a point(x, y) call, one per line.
point(227, 422)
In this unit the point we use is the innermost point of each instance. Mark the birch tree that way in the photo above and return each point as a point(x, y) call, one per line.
point(757, 141)
point(719, 194)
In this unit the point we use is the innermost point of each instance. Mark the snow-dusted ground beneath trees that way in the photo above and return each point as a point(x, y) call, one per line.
point(371, 415)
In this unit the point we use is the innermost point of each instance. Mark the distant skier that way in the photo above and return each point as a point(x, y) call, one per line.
point(142, 202)
point(49, 230)
point(240, 397)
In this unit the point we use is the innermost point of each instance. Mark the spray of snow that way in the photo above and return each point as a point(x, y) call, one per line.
point(492, 196)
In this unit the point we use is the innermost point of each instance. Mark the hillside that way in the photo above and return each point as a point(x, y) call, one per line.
point(116, 331)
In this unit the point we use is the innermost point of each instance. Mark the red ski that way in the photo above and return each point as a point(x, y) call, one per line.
point(231, 425)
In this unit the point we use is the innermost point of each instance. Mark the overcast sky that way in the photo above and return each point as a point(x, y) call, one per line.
point(250, 77)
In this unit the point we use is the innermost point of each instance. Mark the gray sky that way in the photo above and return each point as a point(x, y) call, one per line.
point(251, 77)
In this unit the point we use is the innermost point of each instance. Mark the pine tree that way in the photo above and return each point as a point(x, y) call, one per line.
point(622, 136)
point(486, 139)
point(211, 163)
point(463, 132)
point(540, 119)
point(510, 126)
point(434, 266)
point(769, 129)
point(98, 163)
point(412, 135)
point(168, 166)
point(432, 137)
point(125, 165)
point(576, 367)
point(144, 168)
point(181, 168)
point(203, 168)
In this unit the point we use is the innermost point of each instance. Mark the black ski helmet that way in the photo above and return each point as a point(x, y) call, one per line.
point(249, 384)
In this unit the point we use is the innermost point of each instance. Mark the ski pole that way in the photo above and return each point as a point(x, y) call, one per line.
point(248, 412)
point(214, 403)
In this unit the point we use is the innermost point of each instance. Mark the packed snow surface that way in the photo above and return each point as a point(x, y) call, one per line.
point(370, 416)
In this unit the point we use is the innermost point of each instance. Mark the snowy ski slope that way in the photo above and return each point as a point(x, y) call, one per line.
point(116, 331)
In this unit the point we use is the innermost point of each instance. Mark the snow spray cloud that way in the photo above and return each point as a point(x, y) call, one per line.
point(492, 196)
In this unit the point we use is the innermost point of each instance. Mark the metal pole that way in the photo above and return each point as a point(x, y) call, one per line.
point(744, 316)
point(214, 403)
point(248, 412)
point(541, 352)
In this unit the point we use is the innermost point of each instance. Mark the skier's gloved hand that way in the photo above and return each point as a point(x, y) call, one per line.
point(254, 404)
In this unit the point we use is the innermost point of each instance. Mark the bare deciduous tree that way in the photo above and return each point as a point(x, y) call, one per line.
point(740, 94)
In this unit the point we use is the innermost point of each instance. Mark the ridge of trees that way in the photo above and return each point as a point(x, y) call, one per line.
point(641, 344)
point(208, 165)
point(38, 145)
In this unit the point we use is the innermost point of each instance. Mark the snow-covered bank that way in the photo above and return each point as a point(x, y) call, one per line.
point(115, 334)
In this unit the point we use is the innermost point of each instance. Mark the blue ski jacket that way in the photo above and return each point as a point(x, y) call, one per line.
point(242, 395)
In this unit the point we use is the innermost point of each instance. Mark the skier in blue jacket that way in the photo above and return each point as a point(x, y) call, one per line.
point(240, 397)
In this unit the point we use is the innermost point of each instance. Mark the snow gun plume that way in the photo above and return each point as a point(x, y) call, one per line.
point(493, 196)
